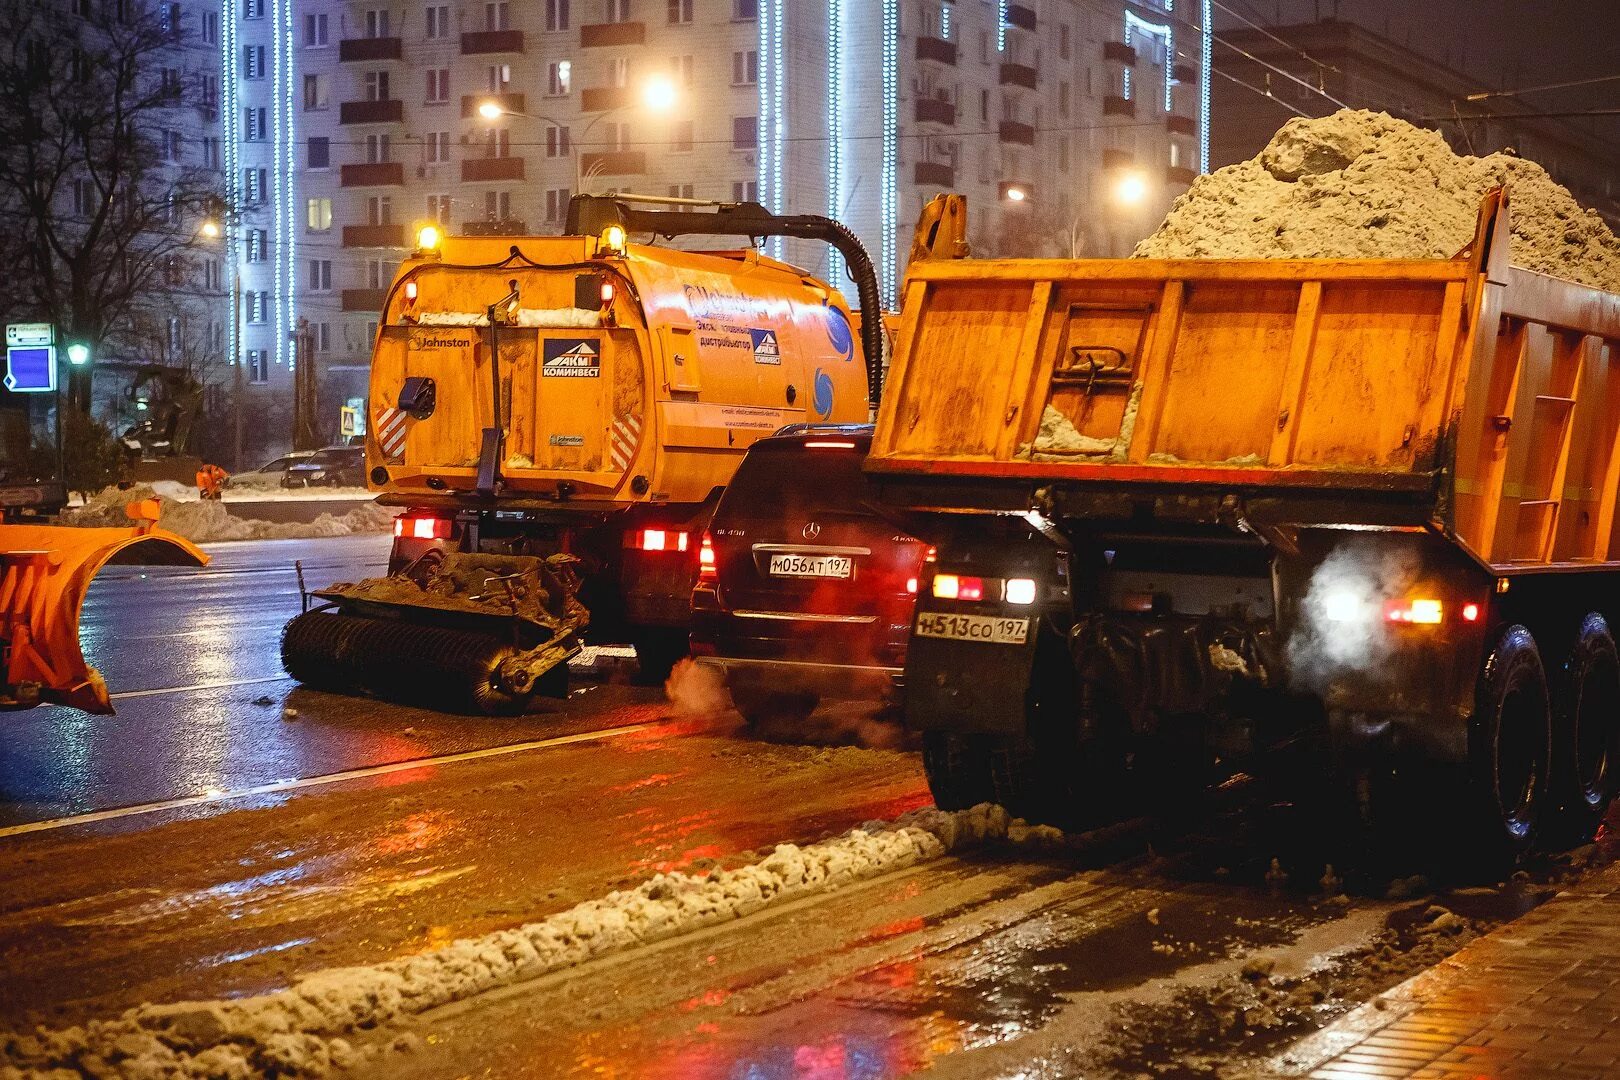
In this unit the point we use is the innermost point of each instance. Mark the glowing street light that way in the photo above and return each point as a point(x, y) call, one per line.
point(492, 110)
point(1130, 189)
point(78, 354)
point(210, 229)
point(659, 94)
point(1016, 194)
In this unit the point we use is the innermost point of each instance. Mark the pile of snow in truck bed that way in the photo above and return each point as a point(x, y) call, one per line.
point(300, 1031)
point(1360, 184)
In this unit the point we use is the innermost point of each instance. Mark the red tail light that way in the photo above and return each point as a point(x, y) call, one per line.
point(829, 445)
point(707, 570)
point(955, 587)
point(424, 528)
point(658, 540)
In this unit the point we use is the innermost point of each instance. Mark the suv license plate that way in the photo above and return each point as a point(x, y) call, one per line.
point(820, 566)
point(986, 628)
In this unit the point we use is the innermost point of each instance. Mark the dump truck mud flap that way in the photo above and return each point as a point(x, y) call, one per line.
point(968, 686)
point(45, 571)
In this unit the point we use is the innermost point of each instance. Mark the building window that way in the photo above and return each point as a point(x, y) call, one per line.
point(745, 9)
point(556, 141)
point(744, 132)
point(252, 9)
point(376, 23)
point(497, 206)
point(210, 28)
point(323, 336)
point(680, 11)
point(210, 145)
point(320, 275)
point(438, 147)
point(745, 191)
point(556, 204)
point(378, 149)
point(619, 71)
point(315, 31)
point(320, 152)
point(438, 20)
point(497, 143)
point(556, 14)
point(254, 184)
point(211, 275)
point(376, 274)
point(680, 191)
point(438, 208)
point(376, 86)
point(500, 77)
point(618, 11)
point(438, 85)
point(258, 242)
point(680, 69)
point(559, 76)
point(258, 365)
point(1063, 100)
point(171, 146)
point(745, 68)
point(257, 302)
point(680, 137)
point(253, 61)
point(496, 16)
point(315, 93)
point(84, 197)
point(380, 210)
point(254, 123)
point(320, 215)
point(1064, 47)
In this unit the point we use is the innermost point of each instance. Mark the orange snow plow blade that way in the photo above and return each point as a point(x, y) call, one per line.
point(45, 571)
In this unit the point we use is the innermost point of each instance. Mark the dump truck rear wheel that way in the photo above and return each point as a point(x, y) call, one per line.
point(1514, 732)
point(1592, 714)
point(958, 769)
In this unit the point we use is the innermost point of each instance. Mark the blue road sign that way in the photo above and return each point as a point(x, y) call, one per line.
point(31, 369)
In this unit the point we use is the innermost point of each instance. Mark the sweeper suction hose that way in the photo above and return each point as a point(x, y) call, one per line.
point(430, 666)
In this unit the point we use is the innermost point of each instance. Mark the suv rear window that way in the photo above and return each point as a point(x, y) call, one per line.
point(787, 479)
point(325, 459)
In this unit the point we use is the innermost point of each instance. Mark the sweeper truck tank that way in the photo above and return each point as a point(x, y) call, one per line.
point(1358, 516)
point(556, 417)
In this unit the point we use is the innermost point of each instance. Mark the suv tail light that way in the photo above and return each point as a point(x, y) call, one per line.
point(707, 570)
point(657, 540)
point(423, 528)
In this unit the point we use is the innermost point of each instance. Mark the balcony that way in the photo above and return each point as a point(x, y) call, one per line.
point(1014, 132)
point(1119, 53)
point(1175, 174)
point(1114, 105)
point(1184, 73)
point(370, 49)
point(935, 111)
point(1018, 75)
point(509, 102)
point(935, 173)
point(600, 35)
point(388, 111)
point(364, 299)
point(1117, 159)
point(483, 170)
point(373, 236)
point(604, 98)
point(941, 52)
point(614, 163)
point(1021, 16)
point(373, 174)
point(495, 227)
point(1180, 125)
point(485, 42)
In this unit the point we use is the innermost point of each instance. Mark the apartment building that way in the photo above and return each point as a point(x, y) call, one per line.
point(359, 120)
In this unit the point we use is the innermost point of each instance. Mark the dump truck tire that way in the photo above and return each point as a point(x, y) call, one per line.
point(1591, 714)
point(958, 769)
point(430, 666)
point(1513, 745)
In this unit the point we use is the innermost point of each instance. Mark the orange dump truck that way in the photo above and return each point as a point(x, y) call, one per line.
point(1358, 515)
point(573, 405)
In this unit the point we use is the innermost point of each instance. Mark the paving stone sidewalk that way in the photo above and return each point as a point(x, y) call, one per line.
point(1538, 997)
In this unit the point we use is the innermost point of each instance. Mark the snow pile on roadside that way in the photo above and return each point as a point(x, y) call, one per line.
point(1361, 184)
point(299, 1031)
point(208, 522)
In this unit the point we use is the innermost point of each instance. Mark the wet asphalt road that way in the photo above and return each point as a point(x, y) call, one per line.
point(192, 660)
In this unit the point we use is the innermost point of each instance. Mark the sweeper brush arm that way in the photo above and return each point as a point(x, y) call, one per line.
point(45, 571)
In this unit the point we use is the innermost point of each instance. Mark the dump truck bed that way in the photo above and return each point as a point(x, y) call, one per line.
point(1480, 396)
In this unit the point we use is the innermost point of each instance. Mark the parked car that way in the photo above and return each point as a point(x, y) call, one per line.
point(271, 473)
point(804, 592)
point(336, 466)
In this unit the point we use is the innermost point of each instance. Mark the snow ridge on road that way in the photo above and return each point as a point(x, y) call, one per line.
point(300, 1031)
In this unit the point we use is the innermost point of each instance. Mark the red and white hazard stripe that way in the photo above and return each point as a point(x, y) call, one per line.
point(622, 442)
point(391, 432)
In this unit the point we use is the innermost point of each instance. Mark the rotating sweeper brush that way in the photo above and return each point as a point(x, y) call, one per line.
point(462, 632)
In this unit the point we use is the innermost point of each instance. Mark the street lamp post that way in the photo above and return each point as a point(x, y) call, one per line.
point(658, 95)
point(212, 230)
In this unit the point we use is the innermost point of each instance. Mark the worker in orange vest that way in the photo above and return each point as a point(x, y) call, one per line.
point(211, 481)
